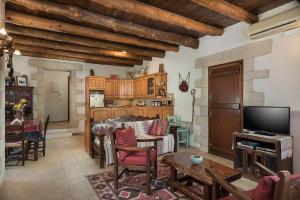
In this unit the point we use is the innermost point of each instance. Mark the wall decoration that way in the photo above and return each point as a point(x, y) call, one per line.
point(8, 81)
point(193, 92)
point(184, 83)
point(22, 81)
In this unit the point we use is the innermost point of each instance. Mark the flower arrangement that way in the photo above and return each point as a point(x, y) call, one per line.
point(19, 109)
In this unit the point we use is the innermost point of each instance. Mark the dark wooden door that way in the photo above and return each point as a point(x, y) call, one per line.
point(225, 89)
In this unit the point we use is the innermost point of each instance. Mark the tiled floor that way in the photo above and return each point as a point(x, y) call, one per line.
point(61, 174)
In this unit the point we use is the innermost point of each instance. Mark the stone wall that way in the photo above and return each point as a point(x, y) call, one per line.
point(246, 53)
point(37, 78)
point(2, 99)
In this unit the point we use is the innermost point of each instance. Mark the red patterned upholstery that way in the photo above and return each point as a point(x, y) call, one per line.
point(139, 158)
point(263, 191)
point(125, 137)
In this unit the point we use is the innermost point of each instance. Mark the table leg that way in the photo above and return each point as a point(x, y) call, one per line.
point(36, 151)
point(173, 179)
point(207, 192)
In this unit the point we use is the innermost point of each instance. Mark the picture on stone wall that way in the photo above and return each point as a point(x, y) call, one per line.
point(22, 81)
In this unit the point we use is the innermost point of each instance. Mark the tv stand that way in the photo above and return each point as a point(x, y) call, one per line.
point(268, 153)
point(267, 133)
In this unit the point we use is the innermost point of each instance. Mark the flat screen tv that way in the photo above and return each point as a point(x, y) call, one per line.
point(265, 118)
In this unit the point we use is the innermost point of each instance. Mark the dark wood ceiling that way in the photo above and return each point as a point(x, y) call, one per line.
point(151, 45)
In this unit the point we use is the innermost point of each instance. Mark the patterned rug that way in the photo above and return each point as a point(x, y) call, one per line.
point(133, 186)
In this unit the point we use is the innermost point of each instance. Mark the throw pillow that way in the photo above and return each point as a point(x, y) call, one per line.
point(125, 137)
point(265, 188)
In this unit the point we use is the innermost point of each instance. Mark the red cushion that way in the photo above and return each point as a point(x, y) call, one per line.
point(139, 158)
point(125, 137)
point(263, 191)
point(153, 127)
point(295, 177)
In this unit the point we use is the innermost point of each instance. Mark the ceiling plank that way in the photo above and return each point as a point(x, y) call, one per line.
point(57, 26)
point(84, 41)
point(60, 57)
point(157, 14)
point(228, 9)
point(84, 16)
point(24, 40)
point(86, 56)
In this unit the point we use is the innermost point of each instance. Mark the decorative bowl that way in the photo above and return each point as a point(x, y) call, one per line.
point(196, 160)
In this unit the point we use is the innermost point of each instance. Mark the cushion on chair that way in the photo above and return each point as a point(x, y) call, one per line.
point(295, 177)
point(158, 127)
point(153, 127)
point(125, 137)
point(263, 191)
point(139, 158)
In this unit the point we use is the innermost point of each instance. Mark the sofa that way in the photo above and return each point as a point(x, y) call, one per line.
point(101, 144)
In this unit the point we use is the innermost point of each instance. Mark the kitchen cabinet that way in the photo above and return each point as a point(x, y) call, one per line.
point(112, 88)
point(165, 111)
point(126, 89)
point(95, 83)
point(139, 111)
point(100, 114)
point(120, 112)
point(154, 111)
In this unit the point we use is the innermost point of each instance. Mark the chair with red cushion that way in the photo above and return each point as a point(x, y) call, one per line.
point(272, 186)
point(128, 155)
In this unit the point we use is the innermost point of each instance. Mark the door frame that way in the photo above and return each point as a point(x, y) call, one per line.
point(241, 91)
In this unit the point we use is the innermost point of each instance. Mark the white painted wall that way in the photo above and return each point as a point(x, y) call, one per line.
point(56, 91)
point(281, 89)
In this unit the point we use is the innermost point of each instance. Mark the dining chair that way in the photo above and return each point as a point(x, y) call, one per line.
point(183, 129)
point(127, 155)
point(15, 140)
point(41, 138)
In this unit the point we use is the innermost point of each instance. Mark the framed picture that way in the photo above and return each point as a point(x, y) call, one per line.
point(21, 81)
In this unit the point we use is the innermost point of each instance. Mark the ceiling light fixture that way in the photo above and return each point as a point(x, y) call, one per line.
point(124, 51)
point(17, 52)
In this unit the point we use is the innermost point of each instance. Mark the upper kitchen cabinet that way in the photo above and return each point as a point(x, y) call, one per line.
point(126, 89)
point(95, 83)
point(112, 88)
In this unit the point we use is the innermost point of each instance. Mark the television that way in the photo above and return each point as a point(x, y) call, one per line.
point(269, 119)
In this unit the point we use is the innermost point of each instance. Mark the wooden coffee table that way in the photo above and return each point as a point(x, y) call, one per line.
point(182, 162)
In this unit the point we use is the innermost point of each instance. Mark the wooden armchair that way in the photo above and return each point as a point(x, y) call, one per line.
point(15, 139)
point(280, 186)
point(127, 155)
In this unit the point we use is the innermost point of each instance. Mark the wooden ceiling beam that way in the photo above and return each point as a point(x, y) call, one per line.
point(157, 14)
point(84, 16)
point(85, 56)
point(58, 26)
point(228, 9)
point(24, 40)
point(84, 41)
point(60, 57)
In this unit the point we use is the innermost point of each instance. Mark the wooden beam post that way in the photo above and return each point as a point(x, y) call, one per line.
point(84, 56)
point(57, 26)
point(24, 40)
point(228, 9)
point(157, 14)
point(59, 57)
point(84, 41)
point(87, 17)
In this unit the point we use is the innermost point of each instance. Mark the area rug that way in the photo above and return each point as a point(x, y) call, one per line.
point(133, 186)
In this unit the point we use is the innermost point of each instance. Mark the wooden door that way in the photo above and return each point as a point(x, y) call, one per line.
point(109, 89)
point(225, 89)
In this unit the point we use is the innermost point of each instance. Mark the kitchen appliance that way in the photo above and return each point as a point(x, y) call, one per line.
point(96, 99)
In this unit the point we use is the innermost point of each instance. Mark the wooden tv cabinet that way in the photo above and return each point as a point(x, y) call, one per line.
point(245, 157)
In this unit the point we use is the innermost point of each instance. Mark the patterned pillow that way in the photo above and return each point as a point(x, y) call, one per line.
point(158, 127)
point(153, 127)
